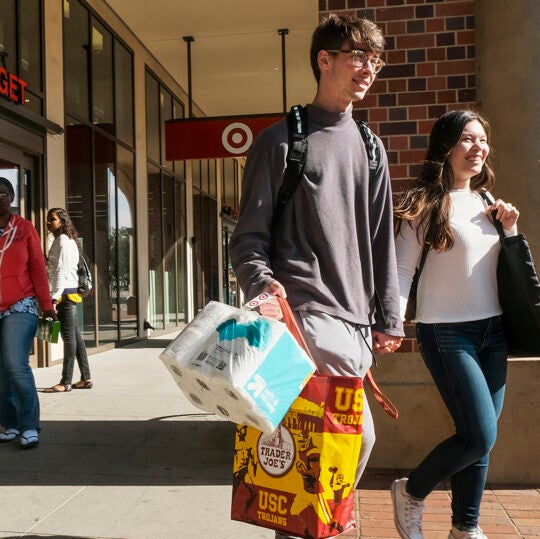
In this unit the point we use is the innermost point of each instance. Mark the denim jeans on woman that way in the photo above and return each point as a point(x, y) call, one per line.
point(19, 403)
point(74, 346)
point(468, 364)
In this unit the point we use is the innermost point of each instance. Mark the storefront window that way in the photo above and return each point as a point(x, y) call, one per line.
point(181, 240)
point(205, 249)
point(165, 100)
point(169, 254)
point(76, 48)
point(126, 244)
point(21, 48)
point(166, 213)
point(30, 43)
point(8, 35)
point(123, 62)
point(152, 119)
point(102, 78)
point(105, 226)
point(155, 248)
point(80, 208)
point(100, 170)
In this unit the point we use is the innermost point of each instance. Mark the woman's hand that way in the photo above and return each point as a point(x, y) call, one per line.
point(506, 213)
point(271, 308)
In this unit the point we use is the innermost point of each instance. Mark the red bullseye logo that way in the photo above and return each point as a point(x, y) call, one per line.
point(237, 138)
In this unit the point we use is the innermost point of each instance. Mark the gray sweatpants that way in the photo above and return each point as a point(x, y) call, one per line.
point(339, 347)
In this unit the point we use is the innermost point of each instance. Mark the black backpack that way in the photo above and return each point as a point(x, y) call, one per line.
point(85, 277)
point(297, 154)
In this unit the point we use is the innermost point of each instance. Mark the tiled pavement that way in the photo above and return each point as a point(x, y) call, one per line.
point(507, 512)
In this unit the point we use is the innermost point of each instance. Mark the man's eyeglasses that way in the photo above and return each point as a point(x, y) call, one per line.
point(360, 58)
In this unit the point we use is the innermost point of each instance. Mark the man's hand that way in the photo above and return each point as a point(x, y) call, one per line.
point(271, 308)
point(385, 344)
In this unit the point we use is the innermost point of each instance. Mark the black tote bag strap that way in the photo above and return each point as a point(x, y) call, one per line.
point(488, 197)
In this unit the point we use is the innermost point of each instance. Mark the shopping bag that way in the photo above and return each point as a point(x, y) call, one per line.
point(300, 479)
point(48, 330)
point(239, 365)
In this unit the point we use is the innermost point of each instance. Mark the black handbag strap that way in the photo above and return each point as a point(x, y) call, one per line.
point(425, 251)
point(488, 197)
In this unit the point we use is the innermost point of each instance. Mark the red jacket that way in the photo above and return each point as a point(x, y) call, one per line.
point(22, 265)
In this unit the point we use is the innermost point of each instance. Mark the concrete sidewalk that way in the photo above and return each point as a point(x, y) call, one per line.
point(128, 459)
point(133, 459)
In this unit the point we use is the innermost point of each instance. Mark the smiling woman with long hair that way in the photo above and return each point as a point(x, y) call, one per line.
point(458, 323)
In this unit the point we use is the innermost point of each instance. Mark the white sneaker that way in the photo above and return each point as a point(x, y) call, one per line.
point(475, 533)
point(407, 511)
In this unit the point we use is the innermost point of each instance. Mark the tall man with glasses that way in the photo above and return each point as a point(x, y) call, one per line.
point(332, 253)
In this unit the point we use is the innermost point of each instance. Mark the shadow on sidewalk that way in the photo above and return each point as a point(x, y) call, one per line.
point(149, 343)
point(168, 451)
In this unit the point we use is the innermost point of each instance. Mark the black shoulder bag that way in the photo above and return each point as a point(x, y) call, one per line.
point(519, 291)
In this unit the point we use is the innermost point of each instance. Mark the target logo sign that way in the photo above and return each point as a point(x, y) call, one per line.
point(237, 138)
point(212, 138)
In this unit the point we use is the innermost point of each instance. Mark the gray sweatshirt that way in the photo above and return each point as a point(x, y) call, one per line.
point(334, 245)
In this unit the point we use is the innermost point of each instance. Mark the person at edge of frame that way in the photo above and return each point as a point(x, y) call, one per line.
point(458, 322)
point(333, 250)
point(24, 290)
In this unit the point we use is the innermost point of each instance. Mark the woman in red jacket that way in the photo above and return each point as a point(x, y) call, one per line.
point(23, 284)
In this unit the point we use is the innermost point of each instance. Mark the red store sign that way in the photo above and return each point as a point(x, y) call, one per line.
point(12, 86)
point(214, 138)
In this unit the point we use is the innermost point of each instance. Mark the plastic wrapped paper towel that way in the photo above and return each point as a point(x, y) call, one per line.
point(239, 365)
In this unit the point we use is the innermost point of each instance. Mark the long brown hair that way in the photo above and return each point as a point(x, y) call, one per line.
point(428, 200)
point(68, 228)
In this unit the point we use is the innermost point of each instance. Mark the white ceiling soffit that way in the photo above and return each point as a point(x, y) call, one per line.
point(236, 57)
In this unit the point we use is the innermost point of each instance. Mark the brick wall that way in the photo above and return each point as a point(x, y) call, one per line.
point(430, 56)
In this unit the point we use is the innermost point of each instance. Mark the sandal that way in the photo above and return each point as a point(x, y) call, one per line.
point(29, 439)
point(83, 384)
point(8, 435)
point(56, 388)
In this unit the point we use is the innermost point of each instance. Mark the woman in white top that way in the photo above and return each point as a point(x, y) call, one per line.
point(64, 280)
point(458, 323)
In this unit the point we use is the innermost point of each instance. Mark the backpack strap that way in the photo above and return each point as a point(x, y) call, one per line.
point(296, 159)
point(371, 145)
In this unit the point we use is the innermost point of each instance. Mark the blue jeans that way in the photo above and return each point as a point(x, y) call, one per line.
point(19, 403)
point(468, 363)
point(74, 346)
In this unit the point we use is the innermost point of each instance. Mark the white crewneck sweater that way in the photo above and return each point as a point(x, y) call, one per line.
point(458, 285)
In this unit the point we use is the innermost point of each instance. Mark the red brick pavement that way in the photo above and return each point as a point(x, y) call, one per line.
point(507, 512)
